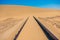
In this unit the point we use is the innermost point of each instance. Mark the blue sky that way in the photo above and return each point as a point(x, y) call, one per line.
point(36, 3)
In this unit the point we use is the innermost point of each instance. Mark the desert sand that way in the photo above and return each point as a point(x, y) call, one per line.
point(13, 17)
point(18, 11)
point(9, 30)
point(51, 25)
point(32, 31)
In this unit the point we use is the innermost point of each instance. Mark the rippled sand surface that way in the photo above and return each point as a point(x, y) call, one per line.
point(52, 24)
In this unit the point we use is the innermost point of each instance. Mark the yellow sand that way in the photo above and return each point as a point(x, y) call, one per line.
point(10, 33)
point(18, 12)
point(32, 31)
point(51, 26)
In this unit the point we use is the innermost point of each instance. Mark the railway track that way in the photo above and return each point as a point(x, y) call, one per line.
point(33, 29)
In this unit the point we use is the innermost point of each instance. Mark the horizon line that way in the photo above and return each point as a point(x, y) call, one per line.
point(26, 6)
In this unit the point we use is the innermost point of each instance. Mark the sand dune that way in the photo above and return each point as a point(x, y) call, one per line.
point(13, 17)
point(21, 11)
